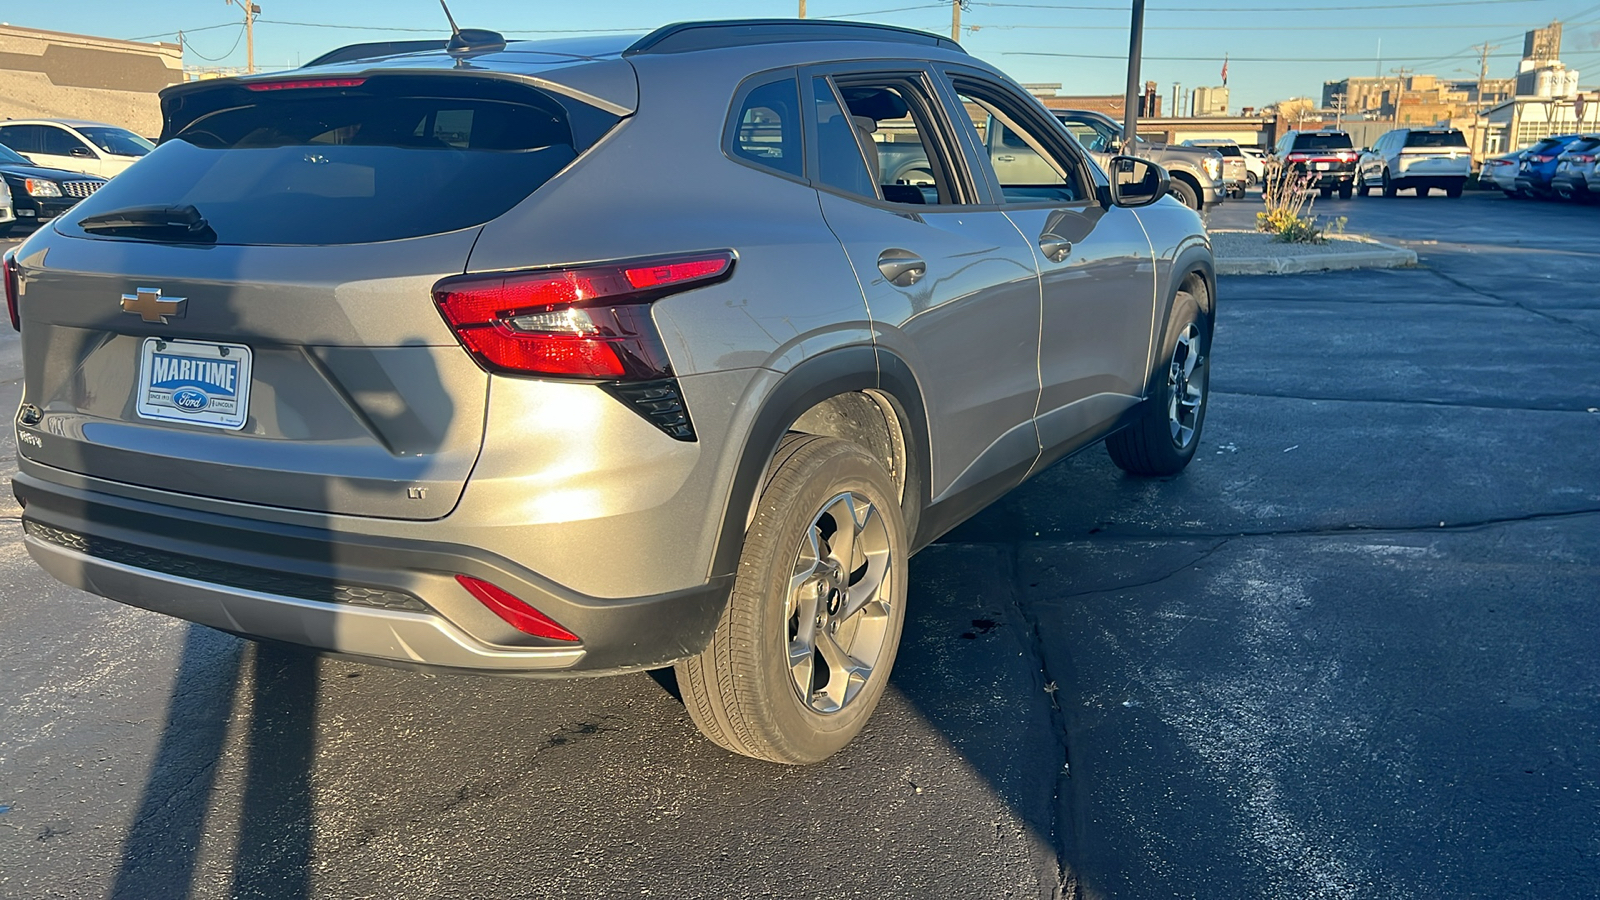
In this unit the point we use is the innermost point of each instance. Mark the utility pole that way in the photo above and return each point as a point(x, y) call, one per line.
point(1399, 91)
point(802, 9)
point(955, 18)
point(252, 10)
point(1130, 112)
point(1480, 138)
point(1338, 112)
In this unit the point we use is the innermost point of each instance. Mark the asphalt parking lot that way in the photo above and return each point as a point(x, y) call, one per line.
point(1350, 653)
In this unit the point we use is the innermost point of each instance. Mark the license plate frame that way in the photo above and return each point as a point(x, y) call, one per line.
point(189, 382)
point(1321, 166)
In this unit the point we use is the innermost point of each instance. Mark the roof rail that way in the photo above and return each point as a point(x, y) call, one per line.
point(686, 37)
point(373, 50)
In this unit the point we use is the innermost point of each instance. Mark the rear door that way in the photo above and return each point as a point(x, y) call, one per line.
point(951, 285)
point(286, 352)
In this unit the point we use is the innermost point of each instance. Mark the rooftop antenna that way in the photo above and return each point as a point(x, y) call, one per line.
point(470, 40)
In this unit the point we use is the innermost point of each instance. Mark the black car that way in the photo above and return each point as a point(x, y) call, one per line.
point(39, 193)
point(1325, 159)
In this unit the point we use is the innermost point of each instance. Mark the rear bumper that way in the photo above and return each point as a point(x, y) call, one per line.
point(1575, 182)
point(382, 600)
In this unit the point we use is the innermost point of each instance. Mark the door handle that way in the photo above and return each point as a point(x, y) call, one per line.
point(1055, 247)
point(1005, 157)
point(902, 267)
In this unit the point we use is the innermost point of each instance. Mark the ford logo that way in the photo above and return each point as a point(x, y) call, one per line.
point(190, 399)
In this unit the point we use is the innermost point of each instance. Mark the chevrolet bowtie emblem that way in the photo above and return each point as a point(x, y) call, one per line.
point(148, 305)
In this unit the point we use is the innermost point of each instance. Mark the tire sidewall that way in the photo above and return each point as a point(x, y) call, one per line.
point(767, 573)
point(1185, 311)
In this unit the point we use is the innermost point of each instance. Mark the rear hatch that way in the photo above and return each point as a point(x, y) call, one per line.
point(247, 313)
point(1444, 151)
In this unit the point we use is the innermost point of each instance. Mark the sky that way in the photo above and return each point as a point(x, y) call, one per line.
point(1276, 48)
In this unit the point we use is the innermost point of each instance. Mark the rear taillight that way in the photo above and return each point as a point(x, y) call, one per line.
point(1499, 162)
point(295, 84)
point(584, 322)
point(1584, 158)
point(13, 288)
point(1297, 157)
point(516, 613)
point(1540, 159)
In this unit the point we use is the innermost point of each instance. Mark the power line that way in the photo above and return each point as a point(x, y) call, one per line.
point(1433, 4)
point(189, 48)
point(1259, 59)
point(146, 37)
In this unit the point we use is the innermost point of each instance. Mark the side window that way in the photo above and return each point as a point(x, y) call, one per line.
point(1088, 137)
point(766, 129)
point(1021, 150)
point(840, 163)
point(21, 138)
point(893, 120)
point(59, 142)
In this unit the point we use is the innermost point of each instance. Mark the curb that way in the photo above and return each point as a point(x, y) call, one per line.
point(1375, 255)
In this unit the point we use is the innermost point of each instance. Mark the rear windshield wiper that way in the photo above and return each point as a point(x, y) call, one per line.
point(179, 224)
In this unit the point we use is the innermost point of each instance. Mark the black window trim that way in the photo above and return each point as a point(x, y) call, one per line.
point(730, 129)
point(1046, 126)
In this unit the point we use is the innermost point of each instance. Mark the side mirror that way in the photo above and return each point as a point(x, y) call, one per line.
point(1137, 182)
point(81, 153)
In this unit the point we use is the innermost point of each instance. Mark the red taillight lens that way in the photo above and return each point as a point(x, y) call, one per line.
point(1297, 157)
point(1540, 159)
point(517, 614)
point(295, 84)
point(587, 322)
point(1347, 156)
point(13, 288)
point(1584, 158)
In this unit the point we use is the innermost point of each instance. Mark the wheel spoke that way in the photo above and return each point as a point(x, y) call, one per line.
point(846, 674)
point(846, 523)
point(869, 588)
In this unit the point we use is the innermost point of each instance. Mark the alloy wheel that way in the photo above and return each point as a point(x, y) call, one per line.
point(838, 607)
point(1185, 391)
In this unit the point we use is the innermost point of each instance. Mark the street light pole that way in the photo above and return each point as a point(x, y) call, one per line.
point(1130, 108)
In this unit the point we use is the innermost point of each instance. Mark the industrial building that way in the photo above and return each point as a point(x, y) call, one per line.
point(50, 74)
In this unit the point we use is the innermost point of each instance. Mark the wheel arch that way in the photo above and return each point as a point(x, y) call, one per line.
point(863, 394)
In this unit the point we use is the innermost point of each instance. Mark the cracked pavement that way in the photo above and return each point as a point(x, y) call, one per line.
point(1349, 654)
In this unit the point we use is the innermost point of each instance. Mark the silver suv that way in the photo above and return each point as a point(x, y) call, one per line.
point(586, 356)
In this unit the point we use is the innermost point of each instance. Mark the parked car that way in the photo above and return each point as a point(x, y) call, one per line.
point(1325, 160)
point(1196, 174)
point(75, 145)
point(430, 364)
point(1537, 168)
point(1255, 163)
point(1500, 173)
point(8, 212)
point(1235, 167)
point(1420, 159)
point(39, 194)
point(1575, 177)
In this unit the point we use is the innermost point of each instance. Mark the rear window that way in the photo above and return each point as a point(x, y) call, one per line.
point(1320, 140)
point(1584, 146)
point(394, 158)
point(1436, 139)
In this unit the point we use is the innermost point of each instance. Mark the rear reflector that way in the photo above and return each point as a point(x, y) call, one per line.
point(295, 84)
point(583, 322)
point(517, 614)
point(13, 284)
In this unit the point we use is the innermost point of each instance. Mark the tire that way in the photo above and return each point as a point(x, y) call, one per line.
point(1389, 189)
point(1454, 190)
point(1251, 179)
point(1325, 193)
point(1185, 194)
point(742, 691)
point(5, 230)
point(1362, 188)
point(1345, 191)
point(1164, 438)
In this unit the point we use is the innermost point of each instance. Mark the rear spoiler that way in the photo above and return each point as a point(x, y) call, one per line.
point(374, 50)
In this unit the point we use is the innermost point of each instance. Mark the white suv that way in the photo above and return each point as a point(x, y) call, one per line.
point(75, 145)
point(1420, 158)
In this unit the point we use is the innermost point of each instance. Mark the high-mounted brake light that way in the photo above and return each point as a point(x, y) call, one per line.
point(516, 613)
point(294, 84)
point(13, 288)
point(582, 322)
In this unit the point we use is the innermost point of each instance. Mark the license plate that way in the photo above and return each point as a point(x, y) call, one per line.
point(196, 382)
point(1322, 167)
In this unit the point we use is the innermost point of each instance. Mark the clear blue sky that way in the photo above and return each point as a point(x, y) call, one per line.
point(1428, 36)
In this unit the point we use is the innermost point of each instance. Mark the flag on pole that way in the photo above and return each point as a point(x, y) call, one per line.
point(1224, 70)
